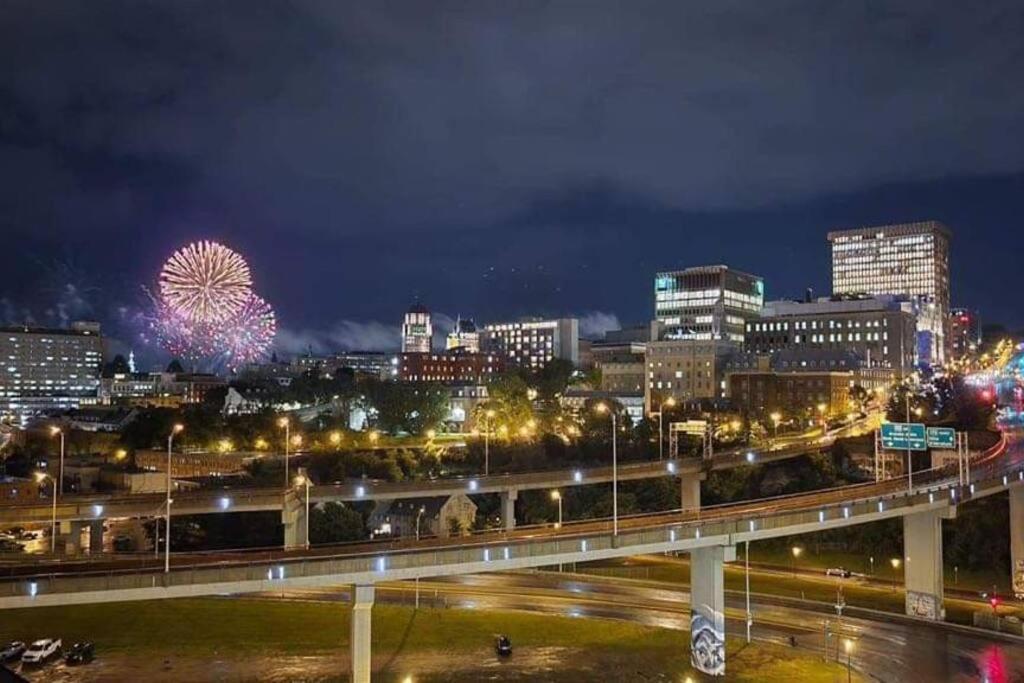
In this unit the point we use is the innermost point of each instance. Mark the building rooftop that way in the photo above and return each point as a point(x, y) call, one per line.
point(915, 228)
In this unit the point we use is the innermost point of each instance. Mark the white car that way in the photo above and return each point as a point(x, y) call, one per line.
point(40, 651)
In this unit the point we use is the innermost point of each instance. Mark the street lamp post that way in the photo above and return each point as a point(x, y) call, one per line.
point(848, 646)
point(488, 416)
point(303, 480)
point(775, 418)
point(286, 425)
point(58, 488)
point(895, 562)
point(670, 401)
point(167, 519)
point(419, 513)
point(910, 462)
point(746, 572)
point(796, 550)
point(556, 496)
point(601, 408)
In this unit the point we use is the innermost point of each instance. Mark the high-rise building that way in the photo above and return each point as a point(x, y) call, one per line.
point(47, 369)
point(533, 343)
point(417, 332)
point(706, 302)
point(879, 330)
point(964, 331)
point(464, 336)
point(910, 259)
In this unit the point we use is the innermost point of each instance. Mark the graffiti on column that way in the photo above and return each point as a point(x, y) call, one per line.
point(924, 605)
point(707, 646)
point(1018, 579)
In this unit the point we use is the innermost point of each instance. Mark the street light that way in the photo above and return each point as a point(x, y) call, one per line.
point(776, 418)
point(419, 513)
point(795, 550)
point(335, 438)
point(488, 416)
point(848, 646)
point(303, 480)
point(556, 495)
point(58, 485)
point(285, 424)
point(40, 478)
point(895, 562)
point(602, 408)
point(669, 402)
point(176, 429)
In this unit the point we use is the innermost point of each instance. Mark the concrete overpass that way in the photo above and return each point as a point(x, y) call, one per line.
point(75, 513)
point(709, 535)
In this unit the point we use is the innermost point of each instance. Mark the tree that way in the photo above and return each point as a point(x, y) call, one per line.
point(118, 366)
point(509, 398)
point(174, 367)
point(335, 523)
point(410, 408)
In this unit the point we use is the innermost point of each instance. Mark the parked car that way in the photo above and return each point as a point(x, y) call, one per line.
point(12, 651)
point(841, 572)
point(80, 653)
point(41, 650)
point(7, 546)
point(503, 646)
point(28, 535)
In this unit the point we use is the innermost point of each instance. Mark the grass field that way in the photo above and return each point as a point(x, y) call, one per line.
point(439, 644)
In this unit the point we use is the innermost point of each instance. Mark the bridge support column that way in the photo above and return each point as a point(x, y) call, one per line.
point(922, 564)
point(359, 639)
point(96, 537)
point(508, 508)
point(707, 608)
point(69, 536)
point(1017, 539)
point(689, 492)
point(293, 517)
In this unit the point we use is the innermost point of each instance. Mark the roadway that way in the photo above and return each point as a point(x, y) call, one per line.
point(210, 501)
point(195, 574)
point(887, 647)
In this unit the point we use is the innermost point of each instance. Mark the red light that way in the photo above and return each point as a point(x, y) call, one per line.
point(986, 394)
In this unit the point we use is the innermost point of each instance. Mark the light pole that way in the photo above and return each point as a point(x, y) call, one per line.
point(796, 550)
point(58, 487)
point(303, 480)
point(670, 402)
point(871, 561)
point(601, 408)
point(286, 425)
point(746, 572)
point(895, 562)
point(822, 409)
point(910, 463)
point(775, 418)
point(848, 646)
point(167, 519)
point(419, 513)
point(40, 478)
point(556, 496)
point(488, 416)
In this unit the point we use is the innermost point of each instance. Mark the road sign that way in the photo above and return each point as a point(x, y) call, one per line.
point(941, 437)
point(693, 427)
point(904, 436)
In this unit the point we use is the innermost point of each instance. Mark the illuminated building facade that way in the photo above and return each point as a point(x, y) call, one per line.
point(964, 331)
point(464, 336)
point(910, 259)
point(533, 343)
point(706, 302)
point(450, 367)
point(48, 369)
point(881, 330)
point(417, 332)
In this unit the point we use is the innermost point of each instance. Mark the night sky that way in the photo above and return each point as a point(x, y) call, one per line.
point(496, 159)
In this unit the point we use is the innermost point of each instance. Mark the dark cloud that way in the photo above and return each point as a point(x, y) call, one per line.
point(473, 150)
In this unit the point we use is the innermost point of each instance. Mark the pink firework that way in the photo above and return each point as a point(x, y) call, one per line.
point(205, 283)
point(247, 335)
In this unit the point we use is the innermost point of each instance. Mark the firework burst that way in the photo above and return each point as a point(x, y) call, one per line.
point(205, 282)
point(205, 310)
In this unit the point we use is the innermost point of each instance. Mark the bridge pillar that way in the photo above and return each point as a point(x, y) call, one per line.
point(293, 517)
point(689, 492)
point(96, 537)
point(1017, 539)
point(69, 536)
point(508, 508)
point(922, 564)
point(707, 608)
point(359, 640)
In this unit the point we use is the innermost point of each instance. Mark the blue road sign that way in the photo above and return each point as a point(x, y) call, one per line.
point(904, 436)
point(941, 437)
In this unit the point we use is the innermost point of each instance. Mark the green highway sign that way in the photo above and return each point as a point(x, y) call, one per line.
point(941, 437)
point(904, 436)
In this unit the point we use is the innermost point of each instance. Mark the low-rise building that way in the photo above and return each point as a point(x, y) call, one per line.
point(687, 369)
point(533, 343)
point(441, 517)
point(964, 331)
point(14, 490)
point(451, 367)
point(621, 365)
point(575, 400)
